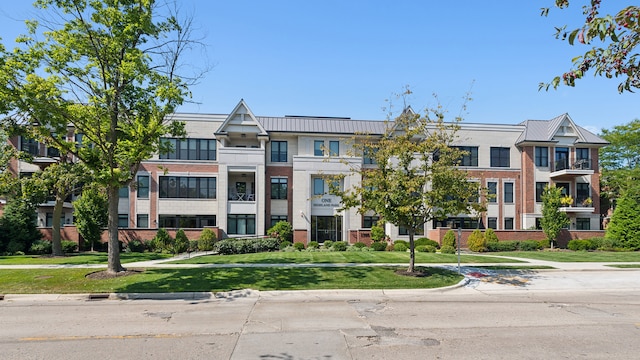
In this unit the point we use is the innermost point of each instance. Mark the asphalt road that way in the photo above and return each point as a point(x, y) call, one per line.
point(496, 315)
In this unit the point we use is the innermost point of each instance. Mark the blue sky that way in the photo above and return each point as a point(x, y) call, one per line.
point(345, 58)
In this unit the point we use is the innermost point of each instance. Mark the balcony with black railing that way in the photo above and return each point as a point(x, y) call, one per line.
point(563, 168)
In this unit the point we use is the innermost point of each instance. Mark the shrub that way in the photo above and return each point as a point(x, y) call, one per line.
point(339, 246)
point(545, 244)
point(313, 245)
point(40, 247)
point(244, 246)
point(503, 246)
point(135, 245)
point(282, 230)
point(207, 240)
point(476, 241)
point(69, 246)
point(298, 246)
point(426, 248)
point(447, 249)
point(193, 245)
point(579, 245)
point(328, 244)
point(449, 239)
point(490, 236)
point(162, 240)
point(359, 245)
point(530, 245)
point(604, 243)
point(426, 241)
point(378, 246)
point(284, 244)
point(181, 242)
point(389, 247)
point(403, 242)
point(400, 246)
point(377, 233)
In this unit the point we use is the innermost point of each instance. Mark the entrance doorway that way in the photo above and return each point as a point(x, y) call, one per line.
point(326, 228)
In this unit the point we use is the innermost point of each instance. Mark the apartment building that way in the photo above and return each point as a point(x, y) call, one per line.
point(242, 173)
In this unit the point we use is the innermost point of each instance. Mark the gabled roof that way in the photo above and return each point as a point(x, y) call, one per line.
point(547, 130)
point(241, 116)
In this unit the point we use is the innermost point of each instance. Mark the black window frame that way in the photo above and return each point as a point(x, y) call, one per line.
point(492, 191)
point(279, 188)
point(470, 157)
point(279, 151)
point(541, 156)
point(508, 188)
point(500, 157)
point(191, 149)
point(143, 187)
point(187, 187)
point(540, 186)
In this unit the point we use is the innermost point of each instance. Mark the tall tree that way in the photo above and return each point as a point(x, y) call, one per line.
point(416, 178)
point(553, 220)
point(618, 36)
point(620, 160)
point(624, 226)
point(109, 69)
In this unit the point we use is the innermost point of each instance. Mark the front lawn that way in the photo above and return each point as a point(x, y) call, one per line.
point(69, 281)
point(78, 258)
point(575, 256)
point(340, 257)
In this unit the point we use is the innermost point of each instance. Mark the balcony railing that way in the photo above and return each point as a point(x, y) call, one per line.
point(581, 164)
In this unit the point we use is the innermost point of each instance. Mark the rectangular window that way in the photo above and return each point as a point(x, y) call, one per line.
point(279, 188)
point(492, 188)
point(142, 221)
point(190, 149)
point(368, 156)
point(508, 223)
point(318, 146)
point(582, 159)
point(124, 192)
point(318, 186)
point(404, 231)
point(562, 158)
point(277, 218)
point(278, 151)
point(583, 224)
point(508, 192)
point(182, 187)
point(542, 156)
point(500, 157)
point(470, 157)
point(123, 220)
point(29, 146)
point(582, 192)
point(241, 224)
point(143, 186)
point(492, 223)
point(186, 221)
point(334, 148)
point(539, 190)
point(369, 221)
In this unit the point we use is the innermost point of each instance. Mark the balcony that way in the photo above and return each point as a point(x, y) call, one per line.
point(583, 206)
point(565, 170)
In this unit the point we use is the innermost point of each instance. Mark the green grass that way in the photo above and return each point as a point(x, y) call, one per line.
point(339, 257)
point(66, 281)
point(575, 256)
point(78, 259)
point(514, 267)
point(626, 266)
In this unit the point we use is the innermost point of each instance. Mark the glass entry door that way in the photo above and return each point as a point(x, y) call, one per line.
point(326, 228)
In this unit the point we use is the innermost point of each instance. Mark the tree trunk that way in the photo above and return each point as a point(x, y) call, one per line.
point(56, 242)
point(412, 251)
point(113, 262)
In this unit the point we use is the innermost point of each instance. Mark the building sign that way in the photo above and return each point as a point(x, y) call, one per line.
point(325, 201)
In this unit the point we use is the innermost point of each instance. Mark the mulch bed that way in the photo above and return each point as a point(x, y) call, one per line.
point(109, 275)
